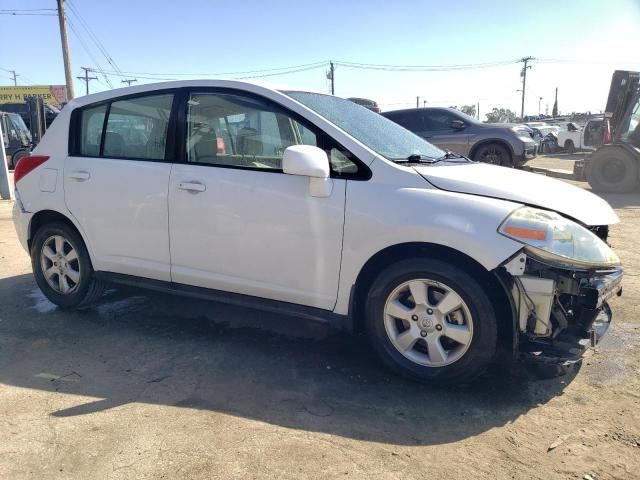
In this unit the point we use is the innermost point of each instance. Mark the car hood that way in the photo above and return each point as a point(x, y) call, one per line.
point(523, 187)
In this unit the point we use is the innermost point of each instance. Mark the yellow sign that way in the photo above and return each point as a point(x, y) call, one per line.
point(51, 94)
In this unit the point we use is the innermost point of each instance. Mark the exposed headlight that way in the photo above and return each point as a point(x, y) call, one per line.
point(557, 239)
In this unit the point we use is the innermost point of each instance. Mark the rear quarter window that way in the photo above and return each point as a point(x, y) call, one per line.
point(130, 128)
point(91, 124)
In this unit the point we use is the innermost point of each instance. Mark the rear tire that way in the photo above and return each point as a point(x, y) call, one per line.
point(62, 267)
point(613, 170)
point(493, 153)
point(432, 340)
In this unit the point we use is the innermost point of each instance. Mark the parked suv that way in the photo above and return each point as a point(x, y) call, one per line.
point(505, 144)
point(309, 204)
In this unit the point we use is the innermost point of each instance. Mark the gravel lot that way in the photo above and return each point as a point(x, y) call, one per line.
point(152, 386)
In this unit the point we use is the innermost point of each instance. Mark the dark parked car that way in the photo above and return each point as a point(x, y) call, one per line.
point(366, 103)
point(498, 143)
point(16, 138)
point(22, 109)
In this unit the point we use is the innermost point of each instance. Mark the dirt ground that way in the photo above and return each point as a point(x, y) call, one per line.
point(152, 386)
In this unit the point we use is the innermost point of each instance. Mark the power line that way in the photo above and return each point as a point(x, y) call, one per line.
point(28, 14)
point(245, 72)
point(281, 73)
point(88, 51)
point(424, 68)
point(93, 36)
point(27, 10)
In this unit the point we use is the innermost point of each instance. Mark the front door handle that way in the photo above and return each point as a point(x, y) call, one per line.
point(80, 175)
point(192, 187)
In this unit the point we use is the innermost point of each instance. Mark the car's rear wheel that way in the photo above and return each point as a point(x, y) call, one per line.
point(62, 267)
point(431, 321)
point(493, 153)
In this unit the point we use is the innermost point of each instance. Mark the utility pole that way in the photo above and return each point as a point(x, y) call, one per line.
point(478, 110)
point(65, 51)
point(331, 76)
point(523, 74)
point(129, 81)
point(13, 77)
point(87, 78)
point(418, 101)
point(539, 100)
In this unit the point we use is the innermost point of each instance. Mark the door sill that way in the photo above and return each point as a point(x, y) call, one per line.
point(340, 322)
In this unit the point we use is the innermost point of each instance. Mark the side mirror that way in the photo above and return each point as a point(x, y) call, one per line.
point(457, 124)
point(305, 160)
point(312, 162)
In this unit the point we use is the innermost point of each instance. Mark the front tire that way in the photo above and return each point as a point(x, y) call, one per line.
point(493, 153)
point(431, 321)
point(62, 267)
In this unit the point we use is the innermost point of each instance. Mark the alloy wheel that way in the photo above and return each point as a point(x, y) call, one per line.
point(428, 322)
point(60, 264)
point(492, 155)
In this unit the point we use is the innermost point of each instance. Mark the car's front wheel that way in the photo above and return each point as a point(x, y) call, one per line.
point(432, 321)
point(62, 267)
point(493, 153)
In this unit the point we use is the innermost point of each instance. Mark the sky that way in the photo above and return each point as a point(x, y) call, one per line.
point(577, 43)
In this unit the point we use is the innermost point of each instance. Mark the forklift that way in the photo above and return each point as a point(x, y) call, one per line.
point(615, 166)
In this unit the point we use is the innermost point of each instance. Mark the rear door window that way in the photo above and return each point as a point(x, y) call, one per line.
point(137, 128)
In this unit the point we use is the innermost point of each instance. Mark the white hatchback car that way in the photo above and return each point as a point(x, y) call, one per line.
point(312, 205)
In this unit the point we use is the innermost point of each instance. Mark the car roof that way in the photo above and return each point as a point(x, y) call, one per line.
point(421, 109)
point(151, 87)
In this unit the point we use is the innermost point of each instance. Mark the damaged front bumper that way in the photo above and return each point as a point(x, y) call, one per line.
point(560, 311)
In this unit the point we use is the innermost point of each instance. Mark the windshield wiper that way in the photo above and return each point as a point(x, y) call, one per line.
point(415, 158)
point(448, 156)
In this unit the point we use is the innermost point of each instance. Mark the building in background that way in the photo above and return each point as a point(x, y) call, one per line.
point(55, 95)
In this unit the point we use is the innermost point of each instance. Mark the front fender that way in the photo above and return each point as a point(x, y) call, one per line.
point(381, 215)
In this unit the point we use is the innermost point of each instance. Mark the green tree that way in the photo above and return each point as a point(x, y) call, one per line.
point(500, 115)
point(469, 110)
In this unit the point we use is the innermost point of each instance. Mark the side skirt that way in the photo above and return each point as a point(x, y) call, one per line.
point(334, 320)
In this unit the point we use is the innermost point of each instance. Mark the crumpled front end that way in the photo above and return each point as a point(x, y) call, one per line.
point(560, 310)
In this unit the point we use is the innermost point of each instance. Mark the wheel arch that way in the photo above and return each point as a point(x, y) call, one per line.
point(487, 141)
point(44, 217)
point(494, 284)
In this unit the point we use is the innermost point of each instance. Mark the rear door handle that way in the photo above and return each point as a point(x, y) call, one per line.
point(80, 175)
point(192, 187)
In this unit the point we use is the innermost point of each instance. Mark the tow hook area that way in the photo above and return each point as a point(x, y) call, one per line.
point(560, 311)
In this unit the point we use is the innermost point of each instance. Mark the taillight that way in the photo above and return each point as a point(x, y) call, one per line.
point(26, 164)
